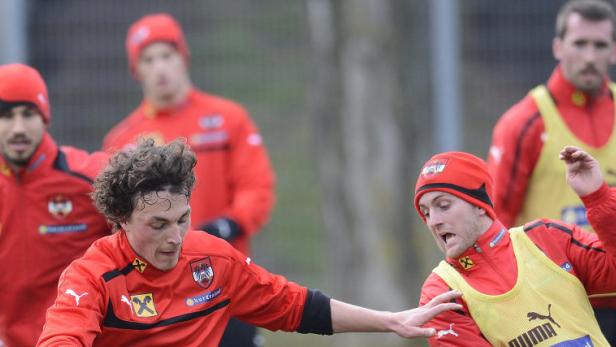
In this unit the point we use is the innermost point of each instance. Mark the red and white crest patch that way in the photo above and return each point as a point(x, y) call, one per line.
point(202, 272)
point(59, 206)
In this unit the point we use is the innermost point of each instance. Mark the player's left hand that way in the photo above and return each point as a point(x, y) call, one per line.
point(411, 321)
point(583, 171)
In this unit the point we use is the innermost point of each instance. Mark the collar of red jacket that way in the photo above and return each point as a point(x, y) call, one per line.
point(493, 240)
point(150, 111)
point(140, 264)
point(43, 158)
point(566, 93)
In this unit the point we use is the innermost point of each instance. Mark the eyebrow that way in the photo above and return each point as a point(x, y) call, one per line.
point(162, 219)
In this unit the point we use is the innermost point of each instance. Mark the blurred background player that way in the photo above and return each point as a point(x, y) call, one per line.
point(575, 107)
point(47, 216)
point(234, 193)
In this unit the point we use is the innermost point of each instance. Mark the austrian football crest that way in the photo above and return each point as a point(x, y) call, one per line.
point(59, 206)
point(202, 272)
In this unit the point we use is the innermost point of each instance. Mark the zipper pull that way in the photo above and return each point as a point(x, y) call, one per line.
point(477, 248)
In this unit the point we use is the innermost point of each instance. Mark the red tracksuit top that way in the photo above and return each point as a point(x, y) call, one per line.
point(189, 305)
point(48, 220)
point(517, 139)
point(581, 253)
point(234, 175)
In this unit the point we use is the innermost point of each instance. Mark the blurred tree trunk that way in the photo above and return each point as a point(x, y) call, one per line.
point(357, 102)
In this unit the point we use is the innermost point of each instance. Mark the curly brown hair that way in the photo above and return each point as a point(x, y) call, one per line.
point(132, 174)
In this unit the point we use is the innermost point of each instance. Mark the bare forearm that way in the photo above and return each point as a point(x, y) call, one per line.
point(407, 324)
point(351, 318)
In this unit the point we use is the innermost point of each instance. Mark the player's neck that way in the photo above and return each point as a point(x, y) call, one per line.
point(170, 100)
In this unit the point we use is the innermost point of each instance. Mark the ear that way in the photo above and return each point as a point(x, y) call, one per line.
point(480, 211)
point(613, 55)
point(557, 48)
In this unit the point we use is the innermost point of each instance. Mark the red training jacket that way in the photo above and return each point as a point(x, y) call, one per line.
point(112, 297)
point(517, 139)
point(495, 272)
point(235, 178)
point(48, 220)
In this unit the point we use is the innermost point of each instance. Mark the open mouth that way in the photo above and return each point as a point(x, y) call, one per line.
point(447, 236)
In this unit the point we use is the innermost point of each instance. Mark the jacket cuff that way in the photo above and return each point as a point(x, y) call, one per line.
point(595, 198)
point(317, 315)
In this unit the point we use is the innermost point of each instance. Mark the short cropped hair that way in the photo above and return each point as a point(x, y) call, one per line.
point(592, 10)
point(132, 174)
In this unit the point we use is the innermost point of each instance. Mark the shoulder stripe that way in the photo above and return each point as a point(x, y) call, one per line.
point(518, 153)
point(112, 321)
point(564, 229)
point(108, 276)
point(61, 164)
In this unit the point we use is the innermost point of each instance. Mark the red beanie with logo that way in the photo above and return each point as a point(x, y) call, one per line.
point(21, 83)
point(458, 173)
point(152, 28)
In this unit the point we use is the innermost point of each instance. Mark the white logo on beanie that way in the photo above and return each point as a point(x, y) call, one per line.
point(434, 167)
point(41, 98)
point(141, 34)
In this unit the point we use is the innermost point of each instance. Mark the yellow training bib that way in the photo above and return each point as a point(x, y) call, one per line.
point(547, 306)
point(548, 195)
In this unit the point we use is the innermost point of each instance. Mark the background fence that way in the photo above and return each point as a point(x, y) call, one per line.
point(256, 52)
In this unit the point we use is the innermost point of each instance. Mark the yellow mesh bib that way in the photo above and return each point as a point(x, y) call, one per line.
point(546, 307)
point(548, 195)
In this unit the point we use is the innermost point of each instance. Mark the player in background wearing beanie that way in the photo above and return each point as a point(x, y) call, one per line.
point(234, 193)
point(527, 286)
point(46, 214)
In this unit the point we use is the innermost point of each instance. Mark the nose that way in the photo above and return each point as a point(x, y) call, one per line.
point(18, 124)
point(434, 220)
point(174, 236)
point(589, 54)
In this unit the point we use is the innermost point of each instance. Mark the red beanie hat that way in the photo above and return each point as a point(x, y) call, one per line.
point(460, 174)
point(152, 28)
point(21, 83)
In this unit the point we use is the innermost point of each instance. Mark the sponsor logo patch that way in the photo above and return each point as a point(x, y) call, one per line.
point(75, 295)
point(542, 332)
point(449, 331)
point(567, 266)
point(209, 138)
point(583, 341)
point(466, 262)
point(254, 140)
point(61, 229)
point(574, 215)
point(143, 305)
point(139, 265)
point(203, 298)
point(59, 206)
point(202, 272)
point(5, 170)
point(211, 121)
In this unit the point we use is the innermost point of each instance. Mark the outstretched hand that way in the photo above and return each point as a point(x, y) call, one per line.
point(583, 171)
point(412, 320)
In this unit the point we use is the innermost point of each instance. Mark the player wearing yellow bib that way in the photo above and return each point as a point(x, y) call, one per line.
point(523, 287)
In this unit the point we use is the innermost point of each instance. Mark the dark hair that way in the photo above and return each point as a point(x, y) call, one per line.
point(592, 10)
point(132, 174)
